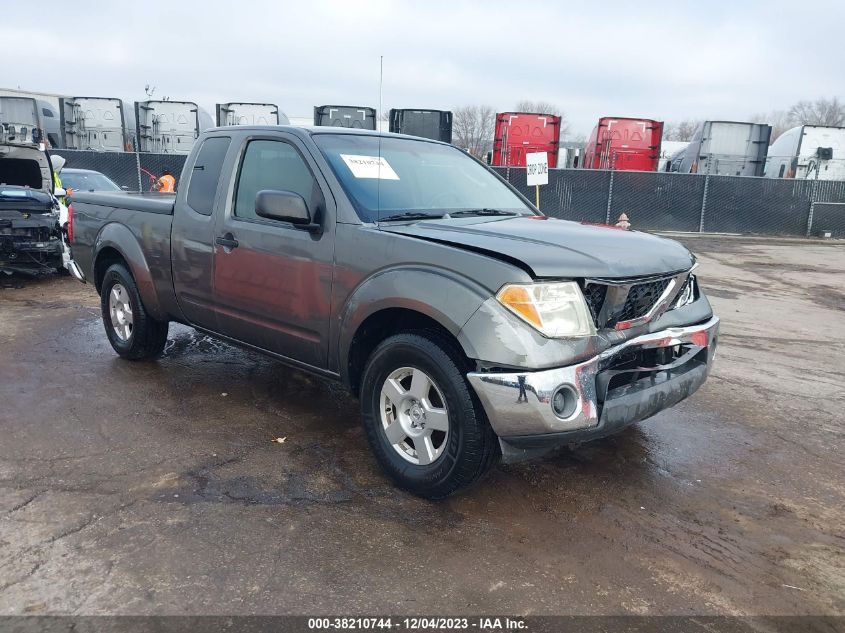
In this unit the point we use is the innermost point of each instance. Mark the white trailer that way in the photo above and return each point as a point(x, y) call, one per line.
point(32, 110)
point(569, 154)
point(240, 113)
point(169, 127)
point(808, 152)
point(94, 123)
point(727, 148)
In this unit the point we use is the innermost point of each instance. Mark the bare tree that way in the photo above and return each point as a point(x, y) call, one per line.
point(473, 128)
point(819, 112)
point(680, 130)
point(544, 107)
point(778, 119)
point(539, 107)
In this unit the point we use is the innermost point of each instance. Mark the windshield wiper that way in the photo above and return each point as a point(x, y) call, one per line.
point(410, 215)
point(483, 212)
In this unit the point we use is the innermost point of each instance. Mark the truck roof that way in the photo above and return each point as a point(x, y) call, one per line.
point(312, 130)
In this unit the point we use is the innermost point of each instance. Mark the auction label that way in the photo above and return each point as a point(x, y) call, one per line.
point(481, 624)
point(369, 167)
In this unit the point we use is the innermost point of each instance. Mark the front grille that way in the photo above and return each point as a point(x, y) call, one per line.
point(595, 294)
point(641, 299)
point(625, 301)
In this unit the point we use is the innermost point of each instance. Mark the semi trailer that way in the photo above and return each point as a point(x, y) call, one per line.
point(433, 124)
point(521, 133)
point(95, 123)
point(624, 144)
point(360, 117)
point(241, 113)
point(169, 127)
point(725, 148)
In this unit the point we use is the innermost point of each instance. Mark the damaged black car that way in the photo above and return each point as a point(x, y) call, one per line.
point(31, 216)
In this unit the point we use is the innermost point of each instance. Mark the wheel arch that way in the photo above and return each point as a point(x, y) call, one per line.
point(116, 244)
point(402, 299)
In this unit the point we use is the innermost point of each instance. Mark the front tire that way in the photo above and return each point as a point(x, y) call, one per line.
point(132, 332)
point(425, 426)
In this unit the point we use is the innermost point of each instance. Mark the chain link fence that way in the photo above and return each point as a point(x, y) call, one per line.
point(136, 171)
point(653, 201)
point(661, 201)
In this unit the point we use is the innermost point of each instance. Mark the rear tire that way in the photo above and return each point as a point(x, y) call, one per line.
point(422, 420)
point(132, 332)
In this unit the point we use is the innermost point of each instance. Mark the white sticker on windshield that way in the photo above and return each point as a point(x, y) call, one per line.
point(369, 167)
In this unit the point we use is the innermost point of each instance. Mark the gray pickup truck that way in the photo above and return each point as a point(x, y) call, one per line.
point(469, 325)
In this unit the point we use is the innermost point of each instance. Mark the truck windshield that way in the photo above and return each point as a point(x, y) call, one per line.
point(415, 178)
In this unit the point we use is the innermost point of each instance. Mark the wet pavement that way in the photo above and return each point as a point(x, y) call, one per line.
point(139, 488)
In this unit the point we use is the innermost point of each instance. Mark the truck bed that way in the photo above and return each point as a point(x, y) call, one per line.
point(161, 203)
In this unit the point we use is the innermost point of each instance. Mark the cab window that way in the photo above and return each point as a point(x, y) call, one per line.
point(205, 174)
point(275, 165)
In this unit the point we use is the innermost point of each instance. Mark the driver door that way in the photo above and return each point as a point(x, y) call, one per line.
point(272, 280)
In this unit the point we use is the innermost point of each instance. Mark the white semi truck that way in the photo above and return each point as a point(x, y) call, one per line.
point(239, 113)
point(725, 148)
point(169, 127)
point(809, 152)
point(101, 124)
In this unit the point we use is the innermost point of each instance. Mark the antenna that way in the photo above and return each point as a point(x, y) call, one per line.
point(380, 85)
point(378, 131)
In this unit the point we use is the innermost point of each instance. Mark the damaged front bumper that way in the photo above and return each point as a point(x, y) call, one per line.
point(533, 412)
point(30, 251)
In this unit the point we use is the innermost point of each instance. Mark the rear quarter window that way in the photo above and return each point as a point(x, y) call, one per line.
point(205, 175)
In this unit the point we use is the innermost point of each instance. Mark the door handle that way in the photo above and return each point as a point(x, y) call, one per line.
point(228, 241)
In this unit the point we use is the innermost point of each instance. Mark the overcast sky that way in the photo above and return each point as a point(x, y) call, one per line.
point(668, 61)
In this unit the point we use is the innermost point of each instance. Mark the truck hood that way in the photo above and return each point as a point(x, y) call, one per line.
point(25, 166)
point(553, 248)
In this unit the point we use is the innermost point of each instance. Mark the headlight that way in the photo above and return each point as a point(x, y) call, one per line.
point(687, 294)
point(556, 309)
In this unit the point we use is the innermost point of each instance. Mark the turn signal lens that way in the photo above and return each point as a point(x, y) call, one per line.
point(519, 300)
point(555, 309)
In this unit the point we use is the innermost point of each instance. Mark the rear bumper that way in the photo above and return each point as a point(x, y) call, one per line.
point(600, 396)
point(74, 269)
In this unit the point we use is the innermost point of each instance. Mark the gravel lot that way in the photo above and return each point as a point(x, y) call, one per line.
point(139, 488)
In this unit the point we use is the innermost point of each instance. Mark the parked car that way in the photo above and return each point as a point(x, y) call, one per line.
point(32, 216)
point(87, 180)
point(467, 324)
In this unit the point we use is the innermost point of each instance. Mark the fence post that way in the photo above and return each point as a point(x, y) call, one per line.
point(703, 203)
point(813, 196)
point(609, 198)
point(138, 169)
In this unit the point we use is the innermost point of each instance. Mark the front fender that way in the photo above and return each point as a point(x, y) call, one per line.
point(120, 238)
point(442, 295)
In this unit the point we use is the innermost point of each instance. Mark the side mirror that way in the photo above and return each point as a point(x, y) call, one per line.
point(125, 188)
point(285, 206)
point(59, 192)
